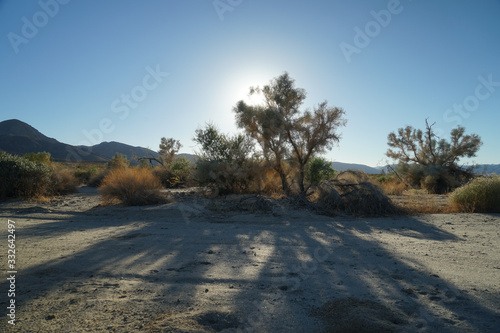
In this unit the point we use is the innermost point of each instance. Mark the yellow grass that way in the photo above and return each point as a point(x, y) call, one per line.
point(132, 186)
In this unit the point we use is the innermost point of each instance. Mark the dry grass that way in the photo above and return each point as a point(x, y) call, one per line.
point(480, 195)
point(63, 181)
point(132, 186)
point(421, 202)
point(390, 184)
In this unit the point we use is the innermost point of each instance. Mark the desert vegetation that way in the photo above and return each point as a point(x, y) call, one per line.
point(33, 176)
point(429, 163)
point(480, 195)
point(277, 152)
point(132, 186)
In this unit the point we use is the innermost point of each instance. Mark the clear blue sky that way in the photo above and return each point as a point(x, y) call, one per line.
point(67, 69)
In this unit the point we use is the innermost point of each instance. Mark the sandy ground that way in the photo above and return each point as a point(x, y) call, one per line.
point(193, 266)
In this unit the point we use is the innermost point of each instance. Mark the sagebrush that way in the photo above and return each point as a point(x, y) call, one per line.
point(132, 186)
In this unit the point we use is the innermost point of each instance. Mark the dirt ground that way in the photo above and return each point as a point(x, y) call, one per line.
point(196, 266)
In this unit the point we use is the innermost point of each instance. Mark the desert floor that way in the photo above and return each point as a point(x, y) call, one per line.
point(194, 266)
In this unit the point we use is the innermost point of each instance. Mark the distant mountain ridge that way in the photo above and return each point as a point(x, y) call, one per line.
point(17, 137)
point(339, 166)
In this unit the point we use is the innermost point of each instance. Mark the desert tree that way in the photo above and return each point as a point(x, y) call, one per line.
point(284, 132)
point(224, 161)
point(166, 154)
point(427, 158)
point(168, 149)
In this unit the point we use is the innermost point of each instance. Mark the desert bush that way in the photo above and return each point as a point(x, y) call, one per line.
point(63, 181)
point(432, 163)
point(319, 169)
point(96, 179)
point(131, 186)
point(434, 179)
point(118, 161)
point(43, 158)
point(479, 195)
point(389, 183)
point(353, 193)
point(84, 175)
point(224, 162)
point(227, 178)
point(175, 174)
point(21, 178)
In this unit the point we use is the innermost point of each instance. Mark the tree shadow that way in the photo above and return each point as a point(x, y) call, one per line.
point(163, 267)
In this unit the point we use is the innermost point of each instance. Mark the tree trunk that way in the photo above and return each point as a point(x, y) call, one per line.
point(301, 181)
point(284, 181)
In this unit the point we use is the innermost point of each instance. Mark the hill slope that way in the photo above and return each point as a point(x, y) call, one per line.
point(339, 166)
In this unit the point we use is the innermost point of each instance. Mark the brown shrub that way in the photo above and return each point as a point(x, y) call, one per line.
point(132, 186)
point(353, 193)
point(63, 181)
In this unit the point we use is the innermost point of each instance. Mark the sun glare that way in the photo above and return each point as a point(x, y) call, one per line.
point(242, 82)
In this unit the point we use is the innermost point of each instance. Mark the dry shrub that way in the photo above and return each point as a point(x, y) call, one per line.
point(229, 178)
point(327, 198)
point(479, 195)
point(63, 181)
point(132, 186)
point(96, 179)
point(353, 193)
point(269, 181)
point(390, 184)
point(395, 187)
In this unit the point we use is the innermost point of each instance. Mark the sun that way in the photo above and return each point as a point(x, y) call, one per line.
point(241, 83)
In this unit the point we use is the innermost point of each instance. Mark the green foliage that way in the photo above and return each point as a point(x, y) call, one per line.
point(181, 168)
point(479, 195)
point(43, 158)
point(433, 178)
point(85, 174)
point(22, 178)
point(168, 149)
point(319, 169)
point(118, 161)
point(431, 163)
point(284, 132)
point(225, 162)
point(175, 174)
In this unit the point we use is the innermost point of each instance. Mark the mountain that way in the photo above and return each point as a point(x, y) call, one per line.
point(339, 166)
point(487, 169)
point(17, 137)
point(109, 149)
point(482, 169)
point(17, 128)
